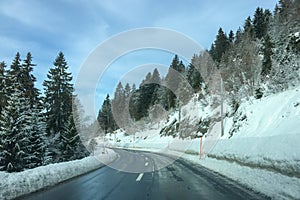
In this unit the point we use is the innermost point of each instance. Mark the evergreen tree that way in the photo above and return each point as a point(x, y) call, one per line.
point(267, 52)
point(28, 80)
point(238, 36)
point(118, 105)
point(144, 97)
point(127, 90)
point(58, 103)
point(193, 74)
point(172, 82)
point(259, 23)
point(15, 124)
point(72, 147)
point(231, 37)
point(283, 34)
point(248, 28)
point(37, 147)
point(220, 46)
point(105, 116)
point(2, 86)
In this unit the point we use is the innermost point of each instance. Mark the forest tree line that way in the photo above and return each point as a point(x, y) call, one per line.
point(37, 129)
point(259, 59)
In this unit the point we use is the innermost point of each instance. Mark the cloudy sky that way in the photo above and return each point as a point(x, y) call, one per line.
point(76, 27)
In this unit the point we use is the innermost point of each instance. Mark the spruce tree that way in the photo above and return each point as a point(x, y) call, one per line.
point(72, 147)
point(261, 22)
point(156, 84)
point(172, 82)
point(267, 60)
point(193, 74)
point(28, 80)
point(118, 105)
point(15, 123)
point(127, 90)
point(105, 116)
point(248, 28)
point(2, 85)
point(58, 104)
point(231, 37)
point(220, 46)
point(37, 148)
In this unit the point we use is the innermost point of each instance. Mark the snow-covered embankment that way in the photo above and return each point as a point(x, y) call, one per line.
point(13, 185)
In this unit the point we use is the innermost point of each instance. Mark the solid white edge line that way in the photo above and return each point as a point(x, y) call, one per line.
point(140, 177)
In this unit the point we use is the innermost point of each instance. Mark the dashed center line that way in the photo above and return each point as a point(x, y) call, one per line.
point(140, 176)
point(146, 164)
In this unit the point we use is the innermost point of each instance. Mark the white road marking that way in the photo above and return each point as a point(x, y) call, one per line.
point(140, 177)
point(146, 164)
point(146, 158)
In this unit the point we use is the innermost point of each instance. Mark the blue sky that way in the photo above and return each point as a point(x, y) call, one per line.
point(76, 27)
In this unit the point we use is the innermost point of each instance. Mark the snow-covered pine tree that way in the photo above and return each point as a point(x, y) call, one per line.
point(37, 147)
point(73, 147)
point(220, 46)
point(105, 116)
point(15, 123)
point(2, 85)
point(193, 73)
point(28, 80)
point(118, 105)
point(284, 33)
point(171, 81)
point(58, 104)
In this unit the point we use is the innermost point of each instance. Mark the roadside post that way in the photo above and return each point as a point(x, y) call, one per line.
point(200, 153)
point(200, 150)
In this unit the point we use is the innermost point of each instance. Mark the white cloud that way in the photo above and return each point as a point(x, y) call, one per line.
point(31, 13)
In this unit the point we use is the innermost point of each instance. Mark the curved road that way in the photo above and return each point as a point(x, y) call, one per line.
point(179, 180)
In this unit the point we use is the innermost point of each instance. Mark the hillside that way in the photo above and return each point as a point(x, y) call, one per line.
point(260, 142)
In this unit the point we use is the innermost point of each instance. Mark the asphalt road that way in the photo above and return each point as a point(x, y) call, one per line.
point(178, 180)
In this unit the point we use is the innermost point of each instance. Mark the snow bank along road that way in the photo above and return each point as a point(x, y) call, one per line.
point(179, 180)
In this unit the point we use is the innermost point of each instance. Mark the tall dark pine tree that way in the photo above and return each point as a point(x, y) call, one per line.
point(248, 28)
point(37, 147)
point(141, 99)
point(172, 82)
point(220, 46)
point(105, 116)
point(193, 75)
point(148, 93)
point(28, 80)
point(156, 83)
point(261, 22)
point(231, 37)
point(118, 105)
point(267, 52)
point(15, 71)
point(127, 90)
point(58, 104)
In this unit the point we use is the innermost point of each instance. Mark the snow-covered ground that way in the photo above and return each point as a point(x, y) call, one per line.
point(262, 152)
point(13, 185)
